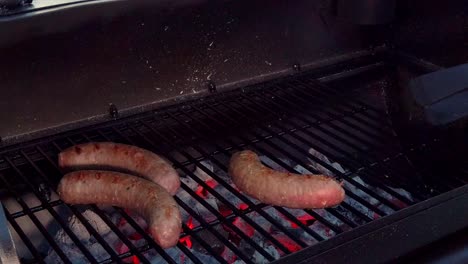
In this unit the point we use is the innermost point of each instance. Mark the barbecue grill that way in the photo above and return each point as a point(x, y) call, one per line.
point(307, 88)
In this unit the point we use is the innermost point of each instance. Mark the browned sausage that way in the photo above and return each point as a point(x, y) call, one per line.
point(283, 189)
point(150, 200)
point(124, 158)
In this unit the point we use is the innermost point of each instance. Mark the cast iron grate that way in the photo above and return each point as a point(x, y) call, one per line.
point(294, 124)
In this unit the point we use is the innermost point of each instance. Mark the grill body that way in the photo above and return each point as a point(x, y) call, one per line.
point(198, 81)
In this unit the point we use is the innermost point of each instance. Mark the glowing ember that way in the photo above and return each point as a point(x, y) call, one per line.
point(229, 256)
point(399, 203)
point(202, 192)
point(243, 206)
point(121, 248)
point(239, 223)
point(121, 222)
point(224, 210)
point(242, 225)
point(305, 219)
point(135, 260)
point(287, 242)
point(135, 236)
point(376, 216)
point(187, 240)
point(190, 223)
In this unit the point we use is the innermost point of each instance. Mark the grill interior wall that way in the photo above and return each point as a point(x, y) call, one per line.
point(65, 71)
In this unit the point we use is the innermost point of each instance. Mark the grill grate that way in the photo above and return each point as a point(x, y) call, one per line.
point(292, 124)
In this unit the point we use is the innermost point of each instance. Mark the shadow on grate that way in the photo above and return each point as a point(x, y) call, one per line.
point(297, 126)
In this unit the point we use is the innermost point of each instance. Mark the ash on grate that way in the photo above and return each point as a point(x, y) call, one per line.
point(27, 225)
point(69, 247)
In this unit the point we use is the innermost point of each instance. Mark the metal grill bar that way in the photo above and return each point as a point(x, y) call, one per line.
point(342, 112)
point(332, 92)
point(36, 209)
point(365, 124)
point(341, 116)
point(364, 128)
point(313, 89)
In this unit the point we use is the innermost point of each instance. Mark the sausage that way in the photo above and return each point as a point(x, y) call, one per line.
point(123, 158)
point(283, 189)
point(148, 199)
